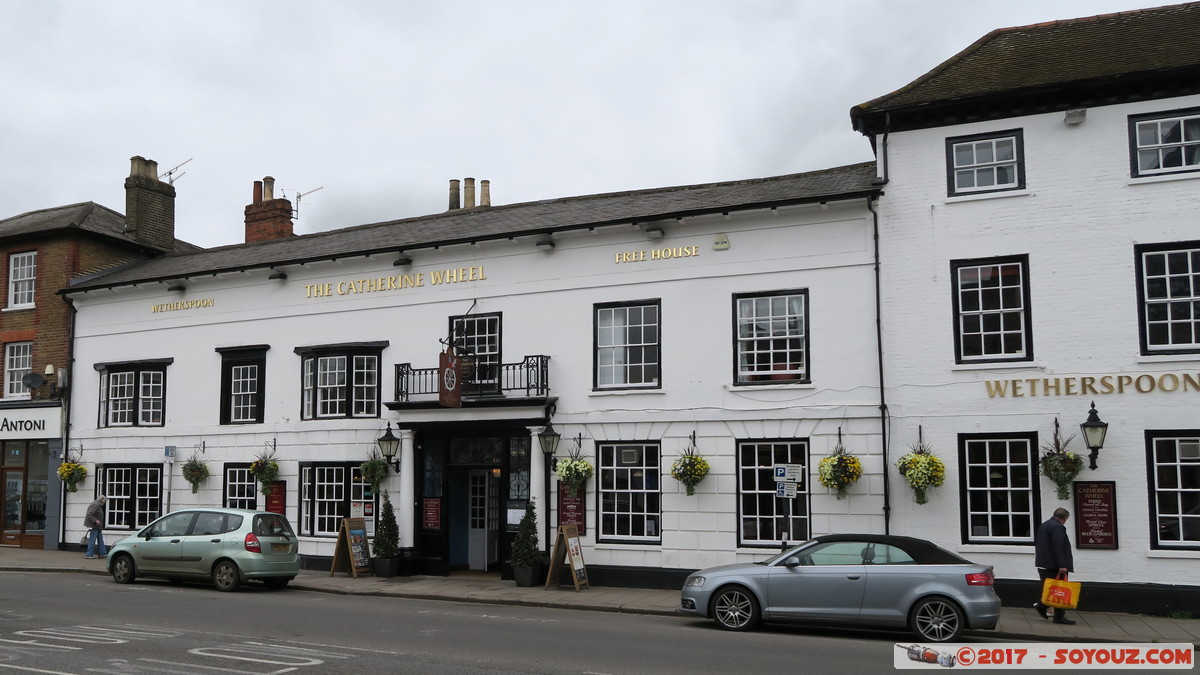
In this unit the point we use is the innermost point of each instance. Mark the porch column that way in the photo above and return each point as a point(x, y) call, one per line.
point(408, 480)
point(537, 484)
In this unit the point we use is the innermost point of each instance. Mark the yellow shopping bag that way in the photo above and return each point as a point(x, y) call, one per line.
point(1060, 593)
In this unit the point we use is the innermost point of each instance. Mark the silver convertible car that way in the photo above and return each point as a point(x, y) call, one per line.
point(869, 580)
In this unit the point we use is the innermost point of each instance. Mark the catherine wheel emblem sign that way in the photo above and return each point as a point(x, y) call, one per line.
point(450, 393)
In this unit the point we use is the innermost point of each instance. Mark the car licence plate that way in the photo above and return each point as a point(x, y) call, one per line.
point(280, 548)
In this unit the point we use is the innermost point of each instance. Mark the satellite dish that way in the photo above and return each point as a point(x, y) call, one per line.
point(32, 380)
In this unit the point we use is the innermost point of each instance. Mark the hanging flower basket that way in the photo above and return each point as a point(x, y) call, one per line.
point(922, 470)
point(839, 470)
point(1059, 464)
point(690, 468)
point(71, 473)
point(573, 473)
point(194, 472)
point(374, 471)
point(265, 470)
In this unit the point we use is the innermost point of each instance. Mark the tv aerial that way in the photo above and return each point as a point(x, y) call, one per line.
point(170, 173)
point(299, 196)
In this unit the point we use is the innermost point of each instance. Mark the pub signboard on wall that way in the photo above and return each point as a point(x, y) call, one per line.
point(1095, 514)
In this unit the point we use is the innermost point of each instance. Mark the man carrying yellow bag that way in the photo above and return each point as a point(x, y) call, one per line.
point(1053, 559)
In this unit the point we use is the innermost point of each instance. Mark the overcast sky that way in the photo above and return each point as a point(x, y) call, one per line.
point(381, 103)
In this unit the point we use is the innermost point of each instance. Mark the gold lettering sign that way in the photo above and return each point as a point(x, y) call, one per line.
point(667, 253)
point(1092, 385)
point(395, 282)
point(202, 303)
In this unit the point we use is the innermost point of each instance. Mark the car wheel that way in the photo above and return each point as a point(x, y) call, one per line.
point(123, 571)
point(735, 608)
point(937, 620)
point(226, 576)
point(276, 583)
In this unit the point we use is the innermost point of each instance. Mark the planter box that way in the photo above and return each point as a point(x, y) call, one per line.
point(526, 576)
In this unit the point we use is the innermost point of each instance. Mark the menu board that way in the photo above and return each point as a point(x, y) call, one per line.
point(351, 551)
point(571, 510)
point(1095, 514)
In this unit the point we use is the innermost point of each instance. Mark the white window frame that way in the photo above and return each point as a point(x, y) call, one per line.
point(1169, 297)
point(22, 280)
point(241, 488)
point(630, 496)
point(999, 483)
point(983, 159)
point(331, 491)
point(133, 394)
point(990, 301)
point(18, 362)
point(759, 509)
point(1165, 143)
point(771, 340)
point(477, 337)
point(628, 345)
point(340, 382)
point(134, 495)
point(1174, 461)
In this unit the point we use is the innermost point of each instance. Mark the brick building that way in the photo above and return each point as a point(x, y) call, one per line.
point(41, 253)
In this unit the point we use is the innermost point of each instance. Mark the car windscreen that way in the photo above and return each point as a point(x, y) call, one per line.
point(268, 524)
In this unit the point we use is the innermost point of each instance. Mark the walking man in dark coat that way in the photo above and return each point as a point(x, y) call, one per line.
point(1052, 557)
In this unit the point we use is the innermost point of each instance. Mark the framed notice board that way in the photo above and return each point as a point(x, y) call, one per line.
point(568, 557)
point(1096, 514)
point(351, 553)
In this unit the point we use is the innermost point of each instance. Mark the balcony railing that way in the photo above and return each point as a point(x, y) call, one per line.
point(529, 378)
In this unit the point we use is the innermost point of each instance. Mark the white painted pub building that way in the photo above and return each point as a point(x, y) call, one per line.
point(1025, 244)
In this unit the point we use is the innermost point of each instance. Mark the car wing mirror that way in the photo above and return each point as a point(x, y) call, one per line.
point(793, 561)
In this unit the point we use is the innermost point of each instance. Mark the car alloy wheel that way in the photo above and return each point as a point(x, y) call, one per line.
point(735, 608)
point(937, 620)
point(226, 576)
point(122, 570)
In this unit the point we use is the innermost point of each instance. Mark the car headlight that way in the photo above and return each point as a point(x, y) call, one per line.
point(694, 581)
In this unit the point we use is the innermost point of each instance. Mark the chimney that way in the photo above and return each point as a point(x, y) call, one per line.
point(468, 193)
point(267, 218)
point(454, 206)
point(149, 205)
point(485, 193)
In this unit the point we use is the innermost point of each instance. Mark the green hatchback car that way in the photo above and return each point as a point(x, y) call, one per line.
point(225, 546)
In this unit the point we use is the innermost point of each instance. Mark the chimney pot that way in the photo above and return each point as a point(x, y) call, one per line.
point(469, 193)
point(151, 169)
point(454, 194)
point(257, 192)
point(268, 188)
point(485, 193)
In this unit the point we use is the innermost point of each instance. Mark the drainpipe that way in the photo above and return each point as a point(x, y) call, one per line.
point(883, 409)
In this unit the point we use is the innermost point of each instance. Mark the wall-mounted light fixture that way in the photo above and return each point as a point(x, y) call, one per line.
point(277, 274)
point(177, 287)
point(402, 261)
point(1094, 432)
point(388, 446)
point(654, 231)
point(1075, 116)
point(549, 439)
point(546, 243)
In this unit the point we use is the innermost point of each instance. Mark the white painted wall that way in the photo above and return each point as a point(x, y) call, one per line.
point(1078, 220)
point(547, 303)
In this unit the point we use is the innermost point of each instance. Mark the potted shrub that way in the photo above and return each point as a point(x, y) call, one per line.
point(386, 547)
point(526, 558)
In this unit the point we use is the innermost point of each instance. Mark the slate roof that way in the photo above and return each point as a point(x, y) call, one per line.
point(86, 217)
point(506, 222)
point(1075, 62)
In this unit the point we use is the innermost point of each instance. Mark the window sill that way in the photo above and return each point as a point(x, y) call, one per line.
point(1167, 358)
point(1172, 553)
point(17, 308)
point(755, 386)
point(1000, 365)
point(1164, 178)
point(999, 194)
point(627, 392)
point(631, 546)
point(1015, 547)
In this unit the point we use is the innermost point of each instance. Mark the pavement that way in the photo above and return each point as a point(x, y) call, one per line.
point(1016, 624)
